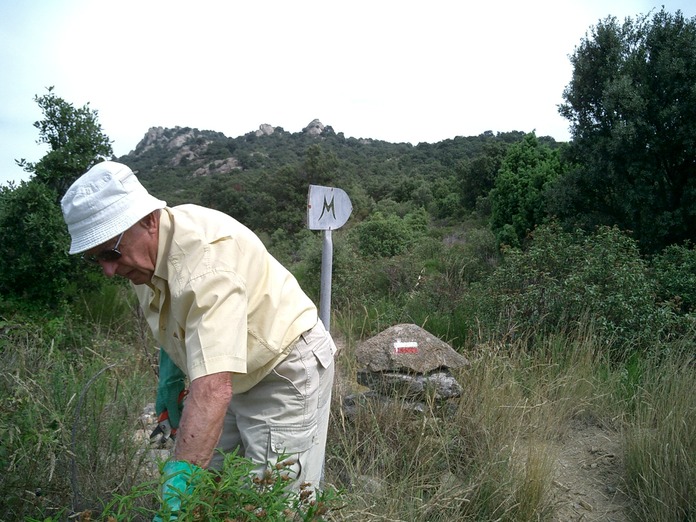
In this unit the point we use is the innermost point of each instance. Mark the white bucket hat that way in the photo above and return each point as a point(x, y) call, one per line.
point(105, 201)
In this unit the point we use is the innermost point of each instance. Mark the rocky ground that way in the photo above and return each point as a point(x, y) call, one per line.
point(588, 482)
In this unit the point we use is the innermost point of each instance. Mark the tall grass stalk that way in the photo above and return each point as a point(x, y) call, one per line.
point(660, 440)
point(487, 455)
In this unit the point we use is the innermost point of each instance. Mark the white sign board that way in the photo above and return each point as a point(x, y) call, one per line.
point(328, 208)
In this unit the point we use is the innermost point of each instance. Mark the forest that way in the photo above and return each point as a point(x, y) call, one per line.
point(566, 272)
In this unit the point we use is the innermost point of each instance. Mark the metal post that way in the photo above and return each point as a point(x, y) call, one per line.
point(326, 266)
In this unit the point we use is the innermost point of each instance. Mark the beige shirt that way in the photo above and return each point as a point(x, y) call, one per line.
point(218, 301)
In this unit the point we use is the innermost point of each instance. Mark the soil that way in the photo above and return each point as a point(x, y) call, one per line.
point(588, 481)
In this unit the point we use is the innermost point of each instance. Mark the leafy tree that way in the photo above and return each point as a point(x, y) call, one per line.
point(280, 198)
point(75, 139)
point(632, 106)
point(319, 166)
point(220, 194)
point(518, 199)
point(477, 176)
point(34, 263)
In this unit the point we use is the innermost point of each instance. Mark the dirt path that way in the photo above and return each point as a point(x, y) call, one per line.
point(588, 483)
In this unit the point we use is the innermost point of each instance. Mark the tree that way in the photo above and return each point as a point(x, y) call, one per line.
point(75, 139)
point(281, 196)
point(518, 199)
point(34, 261)
point(223, 195)
point(477, 176)
point(319, 166)
point(632, 106)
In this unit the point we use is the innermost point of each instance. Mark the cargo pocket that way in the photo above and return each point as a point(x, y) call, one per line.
point(289, 446)
point(324, 354)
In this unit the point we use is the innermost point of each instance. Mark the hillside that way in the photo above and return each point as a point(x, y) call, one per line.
point(257, 172)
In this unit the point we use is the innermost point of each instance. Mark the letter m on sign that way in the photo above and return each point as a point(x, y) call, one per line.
point(328, 207)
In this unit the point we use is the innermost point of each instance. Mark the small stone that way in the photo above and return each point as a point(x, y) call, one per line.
point(585, 505)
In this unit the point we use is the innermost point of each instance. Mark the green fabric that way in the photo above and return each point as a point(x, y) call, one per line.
point(171, 384)
point(177, 476)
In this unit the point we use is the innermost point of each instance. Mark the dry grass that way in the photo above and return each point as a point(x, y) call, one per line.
point(492, 453)
point(661, 443)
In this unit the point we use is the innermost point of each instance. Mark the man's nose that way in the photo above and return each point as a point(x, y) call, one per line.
point(109, 267)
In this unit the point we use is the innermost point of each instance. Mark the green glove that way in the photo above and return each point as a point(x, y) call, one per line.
point(171, 384)
point(177, 476)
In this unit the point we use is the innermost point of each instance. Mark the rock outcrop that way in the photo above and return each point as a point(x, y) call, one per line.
point(406, 360)
point(315, 128)
point(265, 130)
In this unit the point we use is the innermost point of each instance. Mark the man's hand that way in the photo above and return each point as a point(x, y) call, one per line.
point(178, 477)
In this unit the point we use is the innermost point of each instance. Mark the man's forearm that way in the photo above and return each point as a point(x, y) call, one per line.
point(203, 418)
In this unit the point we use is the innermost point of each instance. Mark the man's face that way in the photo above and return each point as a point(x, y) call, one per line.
point(138, 249)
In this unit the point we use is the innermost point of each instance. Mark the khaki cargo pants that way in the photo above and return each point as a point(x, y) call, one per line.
point(287, 413)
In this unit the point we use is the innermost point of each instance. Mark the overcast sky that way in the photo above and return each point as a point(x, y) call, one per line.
point(399, 71)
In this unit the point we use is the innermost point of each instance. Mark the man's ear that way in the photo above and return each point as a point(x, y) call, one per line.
point(151, 221)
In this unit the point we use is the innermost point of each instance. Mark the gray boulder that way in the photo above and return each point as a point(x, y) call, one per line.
point(407, 348)
point(409, 362)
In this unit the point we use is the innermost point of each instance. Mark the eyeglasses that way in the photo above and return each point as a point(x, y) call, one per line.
point(109, 255)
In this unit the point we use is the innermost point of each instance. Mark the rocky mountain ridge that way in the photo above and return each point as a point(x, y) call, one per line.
point(182, 138)
point(206, 152)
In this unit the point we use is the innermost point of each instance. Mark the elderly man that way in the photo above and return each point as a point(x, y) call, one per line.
point(225, 312)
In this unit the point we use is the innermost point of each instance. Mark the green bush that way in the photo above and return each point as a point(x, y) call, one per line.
point(34, 263)
point(675, 272)
point(235, 493)
point(518, 199)
point(383, 236)
point(563, 279)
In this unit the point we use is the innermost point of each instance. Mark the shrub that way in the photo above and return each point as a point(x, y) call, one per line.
point(562, 279)
point(34, 264)
point(383, 236)
point(675, 273)
point(519, 195)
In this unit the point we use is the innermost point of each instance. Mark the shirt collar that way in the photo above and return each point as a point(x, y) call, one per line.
point(164, 243)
